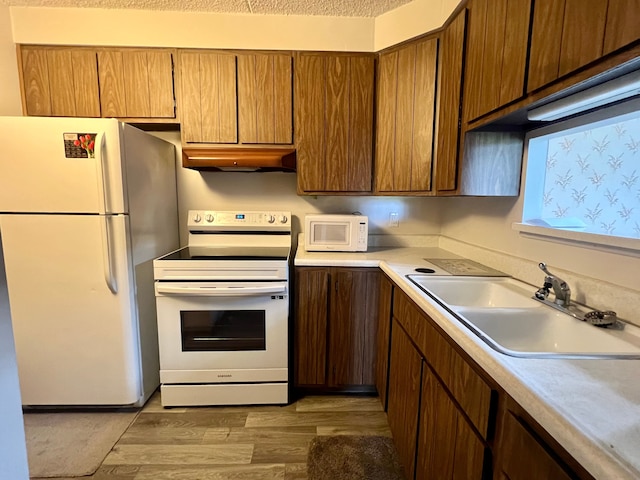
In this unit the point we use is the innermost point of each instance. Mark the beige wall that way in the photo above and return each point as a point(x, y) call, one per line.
point(9, 84)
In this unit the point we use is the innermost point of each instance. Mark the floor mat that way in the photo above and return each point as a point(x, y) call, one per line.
point(72, 444)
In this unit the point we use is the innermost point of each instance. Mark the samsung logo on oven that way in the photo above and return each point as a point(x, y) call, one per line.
point(226, 375)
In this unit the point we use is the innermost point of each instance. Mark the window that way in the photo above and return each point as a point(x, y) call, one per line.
point(583, 175)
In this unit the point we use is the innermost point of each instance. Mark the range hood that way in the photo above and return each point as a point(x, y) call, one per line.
point(240, 159)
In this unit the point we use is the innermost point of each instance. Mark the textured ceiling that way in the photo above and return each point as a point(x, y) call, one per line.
point(334, 8)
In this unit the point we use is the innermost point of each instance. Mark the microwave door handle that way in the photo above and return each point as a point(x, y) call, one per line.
point(213, 291)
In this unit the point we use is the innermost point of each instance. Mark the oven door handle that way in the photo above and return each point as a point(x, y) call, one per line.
point(214, 291)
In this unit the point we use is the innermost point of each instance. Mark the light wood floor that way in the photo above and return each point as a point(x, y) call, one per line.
point(235, 443)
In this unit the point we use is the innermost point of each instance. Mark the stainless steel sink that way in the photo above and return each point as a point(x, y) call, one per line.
point(502, 313)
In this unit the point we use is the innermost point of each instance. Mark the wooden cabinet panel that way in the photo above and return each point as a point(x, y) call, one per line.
point(136, 83)
point(265, 112)
point(622, 27)
point(546, 40)
point(451, 54)
point(405, 372)
point(73, 78)
point(112, 96)
point(582, 33)
point(208, 97)
point(334, 122)
point(496, 54)
point(312, 309)
point(406, 115)
point(447, 446)
point(353, 327)
point(309, 93)
point(523, 457)
point(60, 82)
point(335, 328)
point(383, 338)
point(35, 79)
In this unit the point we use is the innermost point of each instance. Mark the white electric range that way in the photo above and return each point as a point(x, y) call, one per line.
point(223, 310)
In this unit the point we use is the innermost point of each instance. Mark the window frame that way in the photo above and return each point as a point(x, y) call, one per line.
point(625, 245)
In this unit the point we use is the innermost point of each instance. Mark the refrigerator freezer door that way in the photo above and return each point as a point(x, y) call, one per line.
point(41, 173)
point(76, 341)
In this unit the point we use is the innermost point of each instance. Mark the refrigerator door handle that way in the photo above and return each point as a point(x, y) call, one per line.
point(107, 255)
point(102, 173)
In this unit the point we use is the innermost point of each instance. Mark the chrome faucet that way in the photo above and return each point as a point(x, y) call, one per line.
point(560, 288)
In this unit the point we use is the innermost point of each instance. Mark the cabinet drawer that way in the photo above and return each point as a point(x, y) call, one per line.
point(470, 390)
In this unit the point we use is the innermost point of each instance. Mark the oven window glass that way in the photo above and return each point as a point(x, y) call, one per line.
point(225, 330)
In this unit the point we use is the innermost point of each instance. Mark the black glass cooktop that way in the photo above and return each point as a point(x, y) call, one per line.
point(229, 253)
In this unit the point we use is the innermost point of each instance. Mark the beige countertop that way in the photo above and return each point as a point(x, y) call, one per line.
point(590, 406)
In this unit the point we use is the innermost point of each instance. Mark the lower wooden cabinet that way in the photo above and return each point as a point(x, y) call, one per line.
point(524, 457)
point(335, 328)
point(449, 420)
point(385, 305)
point(433, 437)
point(448, 447)
point(405, 373)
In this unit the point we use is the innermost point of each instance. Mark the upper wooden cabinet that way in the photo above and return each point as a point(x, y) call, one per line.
point(496, 54)
point(405, 118)
point(569, 34)
point(265, 110)
point(208, 92)
point(235, 98)
point(98, 82)
point(59, 82)
point(622, 27)
point(450, 70)
point(136, 83)
point(333, 112)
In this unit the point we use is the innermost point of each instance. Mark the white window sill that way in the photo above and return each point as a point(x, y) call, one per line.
point(594, 241)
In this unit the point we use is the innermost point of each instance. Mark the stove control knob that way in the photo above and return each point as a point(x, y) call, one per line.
point(209, 218)
point(283, 219)
point(271, 218)
point(197, 218)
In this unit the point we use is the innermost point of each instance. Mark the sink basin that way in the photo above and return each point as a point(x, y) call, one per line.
point(476, 291)
point(544, 332)
point(502, 312)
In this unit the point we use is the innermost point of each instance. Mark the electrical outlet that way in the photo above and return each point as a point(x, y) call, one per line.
point(393, 219)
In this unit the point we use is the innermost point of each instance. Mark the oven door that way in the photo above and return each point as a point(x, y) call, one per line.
point(222, 332)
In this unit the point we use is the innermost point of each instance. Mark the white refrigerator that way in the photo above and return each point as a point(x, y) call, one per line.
point(81, 223)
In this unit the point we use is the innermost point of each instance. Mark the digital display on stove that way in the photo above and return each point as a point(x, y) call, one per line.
point(239, 216)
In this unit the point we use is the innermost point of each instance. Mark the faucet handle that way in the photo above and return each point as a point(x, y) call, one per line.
point(543, 266)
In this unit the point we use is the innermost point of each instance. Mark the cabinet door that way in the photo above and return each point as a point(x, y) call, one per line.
point(523, 457)
point(310, 333)
point(353, 326)
point(406, 112)
point(383, 338)
point(566, 35)
point(449, 104)
point(448, 448)
point(496, 54)
point(208, 97)
point(60, 82)
point(622, 28)
point(265, 96)
point(334, 122)
point(136, 83)
point(405, 372)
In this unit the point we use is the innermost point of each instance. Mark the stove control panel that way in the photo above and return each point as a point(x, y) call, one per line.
point(211, 220)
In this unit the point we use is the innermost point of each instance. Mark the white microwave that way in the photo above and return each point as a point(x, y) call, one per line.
point(335, 233)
